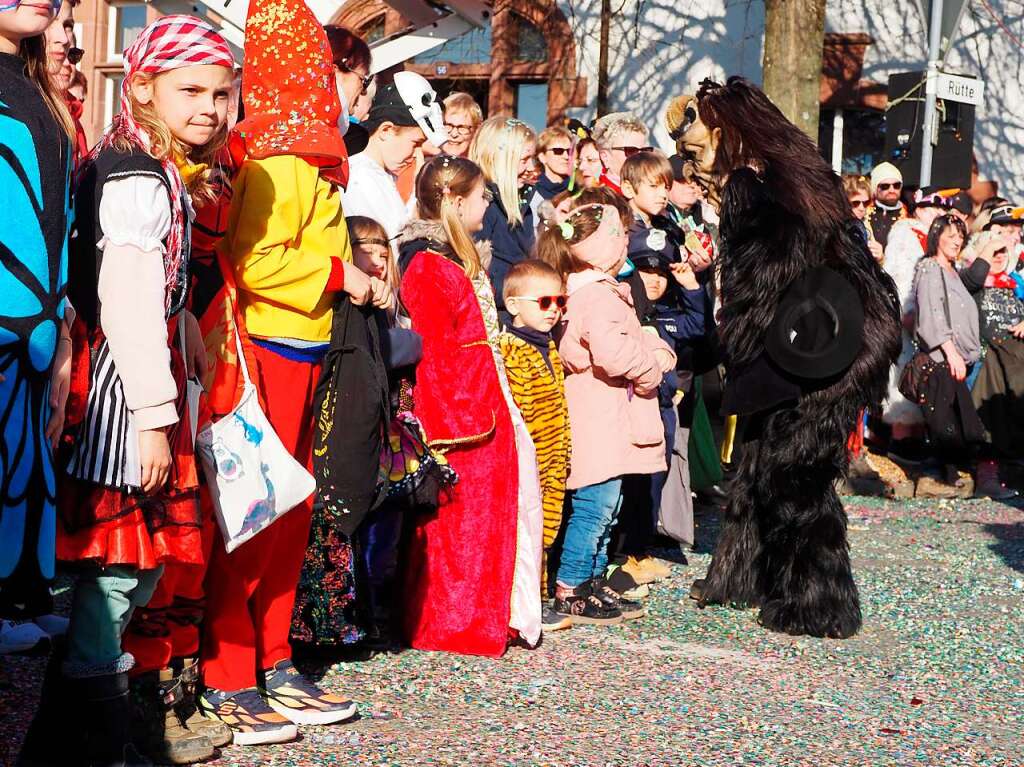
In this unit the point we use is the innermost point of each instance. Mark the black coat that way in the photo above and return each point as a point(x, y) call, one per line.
point(351, 410)
point(510, 243)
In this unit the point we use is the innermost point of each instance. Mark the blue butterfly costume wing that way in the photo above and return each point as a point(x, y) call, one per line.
point(35, 162)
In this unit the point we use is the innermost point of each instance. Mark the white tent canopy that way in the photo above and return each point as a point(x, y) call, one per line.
point(430, 24)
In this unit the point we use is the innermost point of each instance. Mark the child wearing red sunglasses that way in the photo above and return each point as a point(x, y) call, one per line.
point(534, 297)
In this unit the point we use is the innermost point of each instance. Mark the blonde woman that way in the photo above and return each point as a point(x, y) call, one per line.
point(858, 193)
point(505, 149)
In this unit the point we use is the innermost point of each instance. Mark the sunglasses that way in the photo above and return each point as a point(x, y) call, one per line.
point(545, 302)
point(365, 80)
point(629, 151)
point(858, 203)
point(558, 151)
point(75, 55)
point(885, 187)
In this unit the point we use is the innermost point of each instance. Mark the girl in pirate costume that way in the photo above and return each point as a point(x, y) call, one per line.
point(128, 504)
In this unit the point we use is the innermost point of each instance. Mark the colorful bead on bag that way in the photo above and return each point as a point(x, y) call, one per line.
point(412, 469)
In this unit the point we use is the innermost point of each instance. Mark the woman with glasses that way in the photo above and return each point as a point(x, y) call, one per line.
point(554, 152)
point(351, 57)
point(858, 192)
point(462, 118)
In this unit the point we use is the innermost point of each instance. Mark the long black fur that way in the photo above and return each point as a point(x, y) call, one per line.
point(783, 545)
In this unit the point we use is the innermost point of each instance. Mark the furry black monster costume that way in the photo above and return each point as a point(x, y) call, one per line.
point(784, 217)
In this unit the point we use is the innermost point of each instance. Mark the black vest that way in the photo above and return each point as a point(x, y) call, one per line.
point(86, 258)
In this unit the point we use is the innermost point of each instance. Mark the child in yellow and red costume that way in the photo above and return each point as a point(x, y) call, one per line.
point(286, 191)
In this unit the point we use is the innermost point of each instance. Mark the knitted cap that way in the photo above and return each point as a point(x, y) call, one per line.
point(885, 171)
point(291, 97)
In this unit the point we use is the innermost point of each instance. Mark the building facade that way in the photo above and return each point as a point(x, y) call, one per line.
point(539, 60)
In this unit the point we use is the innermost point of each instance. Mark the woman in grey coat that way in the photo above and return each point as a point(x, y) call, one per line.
point(947, 328)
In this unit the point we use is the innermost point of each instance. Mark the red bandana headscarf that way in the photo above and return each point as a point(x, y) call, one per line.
point(173, 42)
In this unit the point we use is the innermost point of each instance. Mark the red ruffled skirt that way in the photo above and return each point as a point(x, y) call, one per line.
point(127, 538)
point(110, 526)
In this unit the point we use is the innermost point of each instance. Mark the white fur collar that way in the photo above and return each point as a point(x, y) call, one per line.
point(419, 229)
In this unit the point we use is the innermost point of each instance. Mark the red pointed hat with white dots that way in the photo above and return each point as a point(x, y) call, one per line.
point(288, 86)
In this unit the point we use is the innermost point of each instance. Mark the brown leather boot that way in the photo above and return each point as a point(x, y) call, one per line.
point(158, 730)
point(218, 733)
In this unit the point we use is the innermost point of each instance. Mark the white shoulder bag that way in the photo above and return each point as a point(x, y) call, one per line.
point(253, 479)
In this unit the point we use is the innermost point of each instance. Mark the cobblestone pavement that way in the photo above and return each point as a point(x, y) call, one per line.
point(936, 677)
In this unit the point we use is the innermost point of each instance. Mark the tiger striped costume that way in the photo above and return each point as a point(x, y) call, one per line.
point(540, 396)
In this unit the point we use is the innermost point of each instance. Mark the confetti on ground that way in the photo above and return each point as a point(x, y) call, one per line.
point(936, 677)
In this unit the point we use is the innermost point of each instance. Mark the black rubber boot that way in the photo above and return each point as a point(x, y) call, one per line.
point(55, 735)
point(106, 713)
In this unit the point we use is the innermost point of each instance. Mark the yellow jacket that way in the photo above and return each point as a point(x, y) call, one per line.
point(284, 227)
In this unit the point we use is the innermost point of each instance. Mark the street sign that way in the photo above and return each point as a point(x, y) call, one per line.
point(952, 13)
point(966, 90)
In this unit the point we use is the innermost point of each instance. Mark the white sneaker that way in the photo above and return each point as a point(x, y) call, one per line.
point(20, 637)
point(52, 625)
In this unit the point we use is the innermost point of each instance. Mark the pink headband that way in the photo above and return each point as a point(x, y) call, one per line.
point(603, 249)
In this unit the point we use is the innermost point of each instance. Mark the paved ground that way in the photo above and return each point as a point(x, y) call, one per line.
point(935, 678)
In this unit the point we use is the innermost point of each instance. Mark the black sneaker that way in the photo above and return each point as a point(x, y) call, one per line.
point(550, 620)
point(713, 496)
point(611, 598)
point(583, 607)
point(620, 580)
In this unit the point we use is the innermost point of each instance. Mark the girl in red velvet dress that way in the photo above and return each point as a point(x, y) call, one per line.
point(473, 570)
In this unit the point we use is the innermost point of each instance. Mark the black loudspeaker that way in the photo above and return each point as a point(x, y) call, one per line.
point(904, 134)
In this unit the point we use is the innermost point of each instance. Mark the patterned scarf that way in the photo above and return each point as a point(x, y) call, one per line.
point(172, 42)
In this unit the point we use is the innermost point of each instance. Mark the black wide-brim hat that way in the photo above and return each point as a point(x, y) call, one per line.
point(818, 328)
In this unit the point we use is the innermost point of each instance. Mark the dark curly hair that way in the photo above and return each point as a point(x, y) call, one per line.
point(755, 134)
point(938, 228)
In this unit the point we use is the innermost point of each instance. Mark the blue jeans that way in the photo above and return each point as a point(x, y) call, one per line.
point(585, 550)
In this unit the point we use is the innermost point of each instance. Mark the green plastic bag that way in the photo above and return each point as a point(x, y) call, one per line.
point(705, 466)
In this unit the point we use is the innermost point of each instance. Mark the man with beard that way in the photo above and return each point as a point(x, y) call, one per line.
point(886, 209)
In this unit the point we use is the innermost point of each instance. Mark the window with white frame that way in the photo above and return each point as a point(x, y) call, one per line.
point(111, 96)
point(124, 23)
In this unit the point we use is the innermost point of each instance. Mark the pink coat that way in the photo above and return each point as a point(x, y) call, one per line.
point(611, 383)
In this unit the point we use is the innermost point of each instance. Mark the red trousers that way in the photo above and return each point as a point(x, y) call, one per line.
point(168, 627)
point(251, 591)
point(855, 444)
